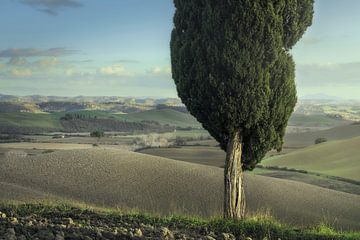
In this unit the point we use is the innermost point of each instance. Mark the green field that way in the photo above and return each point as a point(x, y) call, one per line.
point(315, 120)
point(52, 120)
point(40, 120)
point(300, 140)
point(165, 116)
point(337, 158)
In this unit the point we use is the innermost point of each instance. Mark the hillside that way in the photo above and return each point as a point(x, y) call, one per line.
point(337, 158)
point(113, 178)
point(151, 120)
point(316, 120)
point(299, 140)
point(163, 116)
point(24, 123)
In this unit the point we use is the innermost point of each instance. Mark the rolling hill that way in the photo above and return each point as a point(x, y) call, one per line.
point(300, 140)
point(337, 158)
point(113, 178)
point(315, 120)
point(163, 116)
point(24, 122)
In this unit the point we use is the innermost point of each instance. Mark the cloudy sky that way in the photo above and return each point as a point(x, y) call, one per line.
point(121, 47)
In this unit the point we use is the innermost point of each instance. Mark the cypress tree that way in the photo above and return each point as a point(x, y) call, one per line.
point(233, 71)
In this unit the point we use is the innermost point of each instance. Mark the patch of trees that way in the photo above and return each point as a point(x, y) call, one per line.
point(175, 108)
point(7, 138)
point(8, 107)
point(108, 125)
point(97, 134)
point(320, 140)
point(72, 116)
point(26, 130)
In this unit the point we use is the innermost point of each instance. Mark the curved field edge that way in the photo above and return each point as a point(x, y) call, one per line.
point(336, 158)
point(256, 227)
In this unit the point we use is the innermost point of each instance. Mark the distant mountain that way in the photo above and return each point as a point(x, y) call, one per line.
point(91, 99)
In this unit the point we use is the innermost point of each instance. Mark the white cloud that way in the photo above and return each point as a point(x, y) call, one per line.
point(21, 72)
point(69, 72)
point(113, 70)
point(35, 52)
point(47, 62)
point(52, 7)
point(160, 71)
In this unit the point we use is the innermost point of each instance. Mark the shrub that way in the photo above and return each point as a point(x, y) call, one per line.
point(97, 134)
point(320, 140)
point(179, 141)
point(153, 140)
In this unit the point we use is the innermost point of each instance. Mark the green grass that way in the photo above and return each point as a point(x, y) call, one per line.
point(337, 158)
point(314, 120)
point(41, 120)
point(52, 120)
point(257, 227)
point(165, 116)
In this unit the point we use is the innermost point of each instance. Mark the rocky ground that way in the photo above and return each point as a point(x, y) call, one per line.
point(65, 222)
point(91, 226)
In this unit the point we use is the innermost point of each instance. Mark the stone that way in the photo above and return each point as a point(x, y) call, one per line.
point(14, 220)
point(2, 215)
point(10, 234)
point(138, 233)
point(227, 236)
point(45, 235)
point(21, 237)
point(69, 221)
point(166, 234)
point(122, 231)
point(60, 236)
point(210, 238)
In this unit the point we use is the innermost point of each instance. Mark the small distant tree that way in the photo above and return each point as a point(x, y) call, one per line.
point(233, 71)
point(97, 134)
point(67, 117)
point(180, 141)
point(320, 140)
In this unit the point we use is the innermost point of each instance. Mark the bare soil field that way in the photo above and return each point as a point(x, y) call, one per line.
point(57, 146)
point(206, 155)
point(127, 180)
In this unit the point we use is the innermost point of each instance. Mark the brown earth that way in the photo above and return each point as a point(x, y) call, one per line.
point(113, 178)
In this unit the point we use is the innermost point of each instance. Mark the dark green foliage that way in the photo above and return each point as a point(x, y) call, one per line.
point(97, 134)
point(232, 67)
point(320, 140)
point(180, 141)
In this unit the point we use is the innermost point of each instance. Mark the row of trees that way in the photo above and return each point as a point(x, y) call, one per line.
point(73, 116)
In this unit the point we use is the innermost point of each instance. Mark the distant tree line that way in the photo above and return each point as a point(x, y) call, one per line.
point(73, 116)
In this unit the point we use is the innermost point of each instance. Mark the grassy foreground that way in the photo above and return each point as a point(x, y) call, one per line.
point(28, 221)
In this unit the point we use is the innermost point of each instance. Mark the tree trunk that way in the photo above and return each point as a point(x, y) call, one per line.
point(234, 195)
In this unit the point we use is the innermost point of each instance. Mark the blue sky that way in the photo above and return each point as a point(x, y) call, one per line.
point(121, 47)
